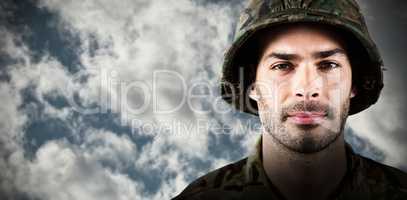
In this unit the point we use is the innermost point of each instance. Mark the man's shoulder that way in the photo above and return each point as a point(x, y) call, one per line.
point(383, 176)
point(230, 177)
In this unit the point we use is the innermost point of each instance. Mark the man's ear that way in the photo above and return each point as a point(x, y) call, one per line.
point(253, 94)
point(353, 92)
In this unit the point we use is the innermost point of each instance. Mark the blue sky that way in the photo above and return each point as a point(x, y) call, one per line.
point(118, 99)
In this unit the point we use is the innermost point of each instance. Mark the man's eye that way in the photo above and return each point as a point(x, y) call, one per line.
point(327, 65)
point(282, 66)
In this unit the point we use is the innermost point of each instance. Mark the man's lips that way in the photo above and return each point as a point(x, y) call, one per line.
point(306, 118)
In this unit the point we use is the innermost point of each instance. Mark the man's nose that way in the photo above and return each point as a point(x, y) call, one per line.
point(307, 83)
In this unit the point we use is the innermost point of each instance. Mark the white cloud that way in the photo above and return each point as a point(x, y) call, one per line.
point(109, 148)
point(64, 172)
point(11, 122)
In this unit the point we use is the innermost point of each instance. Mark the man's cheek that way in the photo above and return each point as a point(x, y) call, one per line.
point(338, 93)
point(282, 94)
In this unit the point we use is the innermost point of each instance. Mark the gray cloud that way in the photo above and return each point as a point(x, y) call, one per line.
point(384, 123)
point(130, 41)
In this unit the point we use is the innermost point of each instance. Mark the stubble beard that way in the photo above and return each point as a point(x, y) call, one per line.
point(302, 138)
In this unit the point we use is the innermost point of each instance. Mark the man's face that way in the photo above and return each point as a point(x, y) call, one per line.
point(303, 87)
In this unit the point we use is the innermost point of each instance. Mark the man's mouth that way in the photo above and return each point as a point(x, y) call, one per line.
point(306, 118)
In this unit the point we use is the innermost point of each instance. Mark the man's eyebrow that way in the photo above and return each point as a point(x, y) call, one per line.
point(283, 56)
point(328, 53)
point(319, 55)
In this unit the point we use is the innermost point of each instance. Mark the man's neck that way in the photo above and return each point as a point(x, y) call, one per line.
point(304, 176)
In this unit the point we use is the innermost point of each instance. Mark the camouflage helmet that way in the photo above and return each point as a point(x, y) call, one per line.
point(343, 16)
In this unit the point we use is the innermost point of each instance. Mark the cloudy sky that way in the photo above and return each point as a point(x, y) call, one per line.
point(109, 99)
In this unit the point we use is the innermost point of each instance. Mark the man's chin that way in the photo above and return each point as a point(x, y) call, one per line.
point(308, 149)
point(307, 139)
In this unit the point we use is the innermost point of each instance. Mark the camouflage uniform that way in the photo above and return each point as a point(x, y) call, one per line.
point(246, 179)
point(365, 179)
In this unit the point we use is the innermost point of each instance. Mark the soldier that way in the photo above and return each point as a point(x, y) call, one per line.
point(302, 67)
